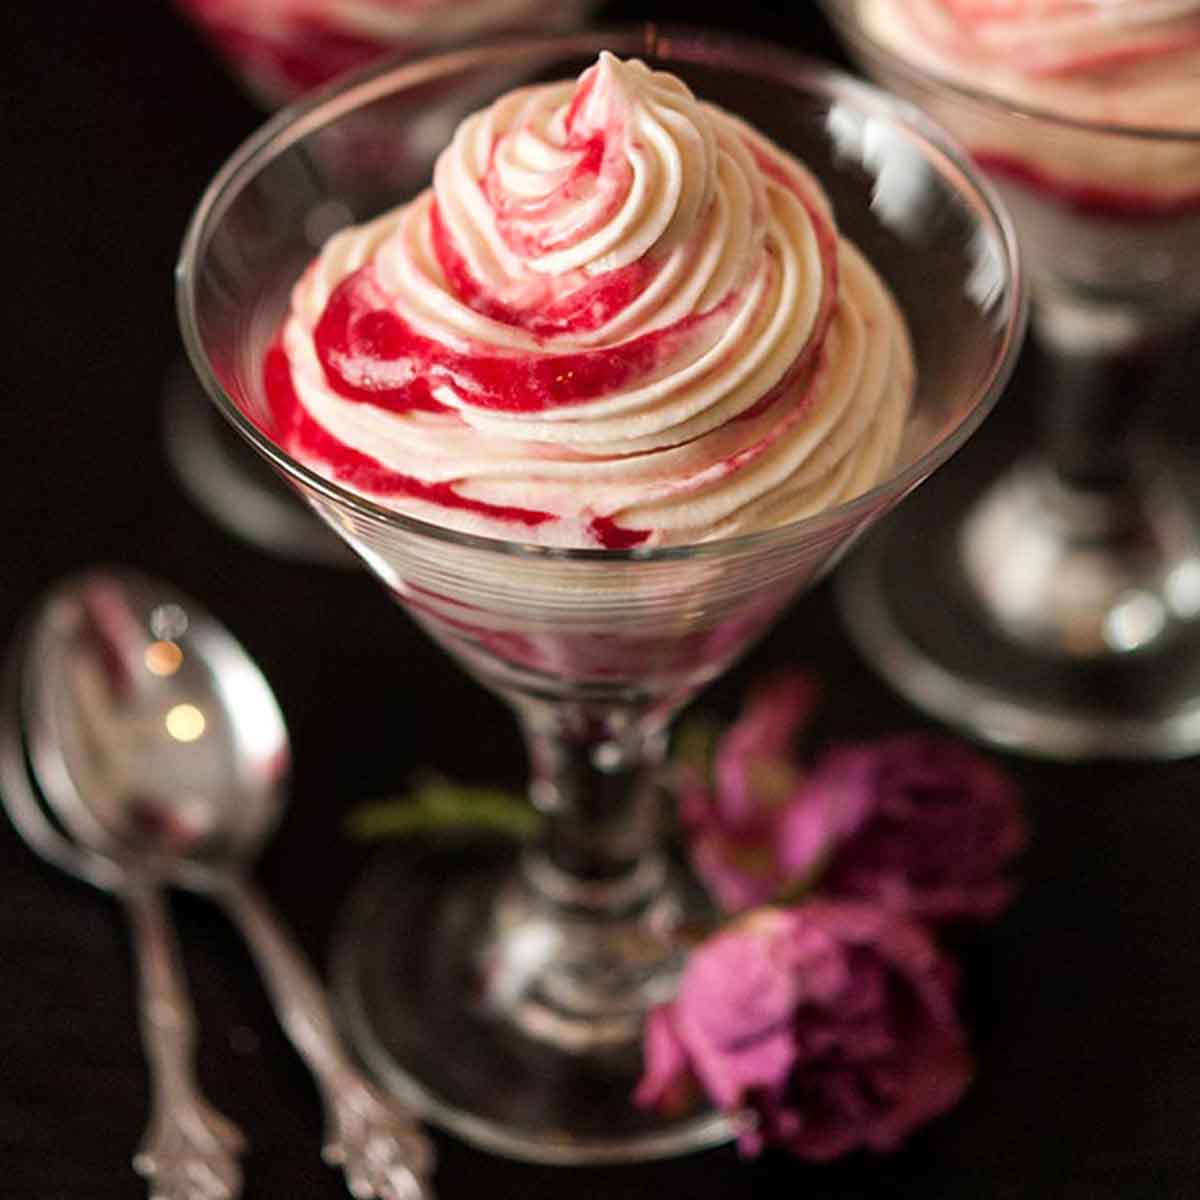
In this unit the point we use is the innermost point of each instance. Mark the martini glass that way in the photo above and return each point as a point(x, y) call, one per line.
point(503, 987)
point(1071, 625)
point(278, 50)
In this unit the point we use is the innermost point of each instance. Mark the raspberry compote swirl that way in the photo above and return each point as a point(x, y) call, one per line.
point(1118, 64)
point(620, 317)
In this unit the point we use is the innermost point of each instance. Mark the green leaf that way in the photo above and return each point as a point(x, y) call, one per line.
point(437, 805)
point(695, 742)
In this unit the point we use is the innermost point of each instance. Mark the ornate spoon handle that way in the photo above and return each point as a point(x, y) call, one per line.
point(374, 1139)
point(189, 1151)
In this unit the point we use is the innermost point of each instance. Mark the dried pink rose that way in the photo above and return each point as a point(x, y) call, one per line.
point(832, 1023)
point(921, 824)
point(731, 820)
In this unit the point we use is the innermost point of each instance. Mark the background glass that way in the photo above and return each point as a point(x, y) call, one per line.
point(1072, 628)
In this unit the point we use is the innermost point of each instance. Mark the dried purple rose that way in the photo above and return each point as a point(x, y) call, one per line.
point(920, 824)
point(832, 1023)
point(731, 820)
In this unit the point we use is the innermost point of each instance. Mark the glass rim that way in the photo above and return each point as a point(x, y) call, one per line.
point(394, 72)
point(840, 13)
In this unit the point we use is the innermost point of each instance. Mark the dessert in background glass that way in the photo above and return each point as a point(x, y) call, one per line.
point(283, 48)
point(279, 49)
point(1073, 628)
point(503, 987)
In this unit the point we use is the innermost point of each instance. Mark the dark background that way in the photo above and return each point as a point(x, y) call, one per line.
point(1083, 1001)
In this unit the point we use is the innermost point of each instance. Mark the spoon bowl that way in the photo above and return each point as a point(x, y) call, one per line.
point(153, 735)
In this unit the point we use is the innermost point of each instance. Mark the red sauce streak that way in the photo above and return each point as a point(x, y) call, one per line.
point(805, 385)
point(1089, 199)
point(592, 302)
point(827, 247)
point(794, 381)
point(298, 433)
point(583, 93)
point(522, 220)
point(356, 333)
point(591, 190)
point(612, 536)
point(372, 355)
point(596, 185)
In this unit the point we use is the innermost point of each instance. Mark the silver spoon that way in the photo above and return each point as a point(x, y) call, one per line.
point(152, 731)
point(189, 1150)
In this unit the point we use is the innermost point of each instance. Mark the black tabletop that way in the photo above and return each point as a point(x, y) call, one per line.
point(1082, 1001)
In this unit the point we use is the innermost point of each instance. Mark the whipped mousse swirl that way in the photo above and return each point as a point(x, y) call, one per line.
point(620, 317)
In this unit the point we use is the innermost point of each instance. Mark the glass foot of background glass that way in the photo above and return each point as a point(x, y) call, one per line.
point(1085, 573)
point(234, 486)
point(417, 987)
point(949, 660)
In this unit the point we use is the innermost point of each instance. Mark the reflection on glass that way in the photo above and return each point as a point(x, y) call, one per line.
point(185, 722)
point(163, 658)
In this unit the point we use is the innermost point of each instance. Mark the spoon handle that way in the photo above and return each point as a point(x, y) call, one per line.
point(374, 1139)
point(189, 1151)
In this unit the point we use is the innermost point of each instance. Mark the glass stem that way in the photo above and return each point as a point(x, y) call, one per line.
point(594, 780)
point(585, 939)
point(1098, 374)
point(1078, 555)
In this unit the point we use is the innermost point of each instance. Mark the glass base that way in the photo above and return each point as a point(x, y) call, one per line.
point(234, 486)
point(1085, 573)
point(906, 604)
point(441, 979)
